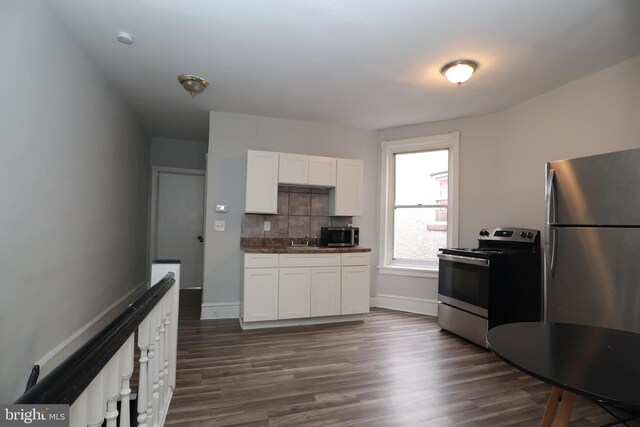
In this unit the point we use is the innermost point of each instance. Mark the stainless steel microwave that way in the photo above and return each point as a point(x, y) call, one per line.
point(339, 236)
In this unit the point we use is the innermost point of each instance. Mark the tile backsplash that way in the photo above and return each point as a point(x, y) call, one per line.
point(301, 213)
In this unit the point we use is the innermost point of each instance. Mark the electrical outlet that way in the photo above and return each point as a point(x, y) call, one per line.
point(219, 225)
point(267, 226)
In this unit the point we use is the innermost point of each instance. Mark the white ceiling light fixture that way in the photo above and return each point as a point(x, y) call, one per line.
point(459, 71)
point(125, 38)
point(193, 84)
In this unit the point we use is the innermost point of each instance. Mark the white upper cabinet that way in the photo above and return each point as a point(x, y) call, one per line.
point(266, 169)
point(298, 169)
point(322, 171)
point(262, 182)
point(294, 169)
point(347, 196)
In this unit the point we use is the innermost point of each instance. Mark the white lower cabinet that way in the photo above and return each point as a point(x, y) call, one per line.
point(260, 300)
point(325, 291)
point(355, 289)
point(294, 293)
point(298, 286)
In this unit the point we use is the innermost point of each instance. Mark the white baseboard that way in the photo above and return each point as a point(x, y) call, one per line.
point(373, 302)
point(220, 310)
point(410, 304)
point(74, 341)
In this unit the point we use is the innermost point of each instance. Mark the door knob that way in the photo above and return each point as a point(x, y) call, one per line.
point(200, 239)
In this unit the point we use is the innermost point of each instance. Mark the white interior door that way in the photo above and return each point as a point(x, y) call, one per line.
point(179, 223)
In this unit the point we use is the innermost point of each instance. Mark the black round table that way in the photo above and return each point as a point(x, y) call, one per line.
point(599, 363)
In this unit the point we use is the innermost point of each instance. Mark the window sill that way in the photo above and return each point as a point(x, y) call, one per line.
point(395, 270)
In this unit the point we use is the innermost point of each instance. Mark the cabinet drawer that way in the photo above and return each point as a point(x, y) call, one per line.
point(309, 260)
point(260, 260)
point(355, 258)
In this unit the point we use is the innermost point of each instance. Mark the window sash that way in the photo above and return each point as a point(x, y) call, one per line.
point(429, 263)
point(388, 207)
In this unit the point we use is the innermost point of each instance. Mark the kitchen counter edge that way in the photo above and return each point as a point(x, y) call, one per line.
point(301, 250)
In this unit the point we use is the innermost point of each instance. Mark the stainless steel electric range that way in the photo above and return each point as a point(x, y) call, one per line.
point(498, 282)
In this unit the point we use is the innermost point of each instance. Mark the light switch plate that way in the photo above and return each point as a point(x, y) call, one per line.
point(267, 226)
point(221, 208)
point(219, 225)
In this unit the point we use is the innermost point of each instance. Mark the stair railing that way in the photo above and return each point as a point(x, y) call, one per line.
point(97, 376)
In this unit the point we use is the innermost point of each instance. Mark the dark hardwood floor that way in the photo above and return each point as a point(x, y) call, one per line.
point(394, 369)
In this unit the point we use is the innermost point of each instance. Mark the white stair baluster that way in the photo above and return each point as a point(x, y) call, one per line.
point(143, 344)
point(78, 411)
point(160, 358)
point(167, 338)
point(156, 366)
point(150, 369)
point(112, 389)
point(126, 370)
point(95, 401)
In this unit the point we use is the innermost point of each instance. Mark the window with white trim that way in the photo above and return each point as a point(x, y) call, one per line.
point(419, 209)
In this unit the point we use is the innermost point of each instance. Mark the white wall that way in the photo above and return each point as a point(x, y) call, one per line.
point(502, 156)
point(230, 136)
point(73, 191)
point(178, 153)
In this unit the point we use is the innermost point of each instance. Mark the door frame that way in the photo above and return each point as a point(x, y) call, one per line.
point(153, 207)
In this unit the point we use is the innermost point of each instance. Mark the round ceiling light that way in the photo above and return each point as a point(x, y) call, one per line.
point(193, 84)
point(459, 71)
point(125, 38)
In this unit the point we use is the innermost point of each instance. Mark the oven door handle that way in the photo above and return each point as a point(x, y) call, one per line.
point(465, 259)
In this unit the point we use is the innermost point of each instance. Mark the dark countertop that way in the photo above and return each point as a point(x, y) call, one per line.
point(250, 245)
point(248, 249)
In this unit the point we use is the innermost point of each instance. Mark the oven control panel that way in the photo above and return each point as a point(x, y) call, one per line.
point(509, 234)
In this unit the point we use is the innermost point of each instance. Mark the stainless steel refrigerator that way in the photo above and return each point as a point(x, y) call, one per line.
point(592, 244)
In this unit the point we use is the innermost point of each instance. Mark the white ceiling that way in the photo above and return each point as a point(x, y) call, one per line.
point(363, 63)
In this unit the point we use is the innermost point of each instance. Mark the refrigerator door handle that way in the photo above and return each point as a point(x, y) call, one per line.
point(551, 197)
point(554, 249)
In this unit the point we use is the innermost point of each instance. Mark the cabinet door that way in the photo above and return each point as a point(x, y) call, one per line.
point(355, 290)
point(260, 300)
point(262, 182)
point(294, 169)
point(294, 299)
point(347, 198)
point(325, 291)
point(322, 171)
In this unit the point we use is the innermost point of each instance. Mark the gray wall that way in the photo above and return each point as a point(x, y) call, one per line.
point(230, 136)
point(177, 153)
point(502, 156)
point(73, 190)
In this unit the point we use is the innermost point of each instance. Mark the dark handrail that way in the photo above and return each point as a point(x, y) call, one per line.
point(33, 377)
point(67, 381)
